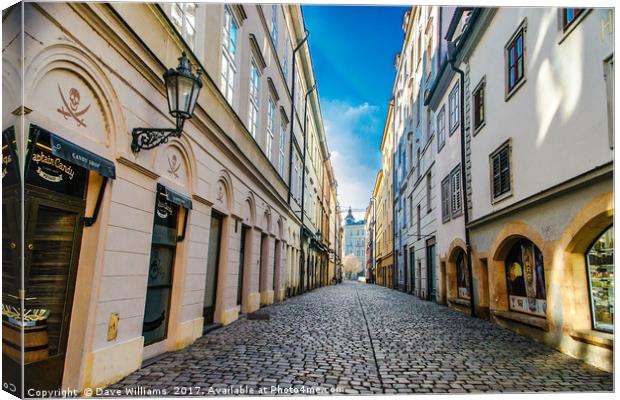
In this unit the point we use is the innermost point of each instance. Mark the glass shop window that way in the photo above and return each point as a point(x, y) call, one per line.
point(525, 276)
point(600, 263)
point(462, 276)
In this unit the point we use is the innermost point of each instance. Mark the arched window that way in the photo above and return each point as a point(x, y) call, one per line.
point(600, 262)
point(462, 276)
point(525, 276)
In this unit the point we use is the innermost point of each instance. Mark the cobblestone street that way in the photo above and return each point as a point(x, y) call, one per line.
point(355, 338)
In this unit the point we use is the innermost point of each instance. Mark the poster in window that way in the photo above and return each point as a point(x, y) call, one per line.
point(526, 279)
point(462, 277)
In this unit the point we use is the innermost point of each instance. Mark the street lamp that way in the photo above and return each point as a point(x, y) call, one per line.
point(182, 89)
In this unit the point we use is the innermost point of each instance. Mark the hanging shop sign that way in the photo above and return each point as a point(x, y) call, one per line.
point(10, 164)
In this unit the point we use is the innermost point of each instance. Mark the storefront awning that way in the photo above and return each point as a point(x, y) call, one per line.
point(80, 156)
point(175, 197)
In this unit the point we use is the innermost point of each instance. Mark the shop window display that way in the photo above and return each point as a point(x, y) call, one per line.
point(462, 276)
point(600, 260)
point(526, 279)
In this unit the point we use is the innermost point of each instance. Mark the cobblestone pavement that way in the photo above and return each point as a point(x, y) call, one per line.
point(355, 338)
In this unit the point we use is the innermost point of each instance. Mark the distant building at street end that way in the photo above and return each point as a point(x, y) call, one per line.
point(354, 239)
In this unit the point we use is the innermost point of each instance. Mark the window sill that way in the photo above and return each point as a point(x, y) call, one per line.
point(516, 88)
point(596, 338)
point(501, 198)
point(537, 322)
point(478, 129)
point(453, 129)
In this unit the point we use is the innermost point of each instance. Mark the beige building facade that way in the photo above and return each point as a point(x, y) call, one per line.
point(180, 238)
point(538, 142)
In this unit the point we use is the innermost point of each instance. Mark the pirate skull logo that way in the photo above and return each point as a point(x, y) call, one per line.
point(74, 99)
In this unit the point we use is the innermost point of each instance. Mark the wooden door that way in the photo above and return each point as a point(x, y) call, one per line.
point(53, 233)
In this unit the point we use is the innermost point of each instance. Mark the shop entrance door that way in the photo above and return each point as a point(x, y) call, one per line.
point(213, 263)
point(52, 244)
point(430, 265)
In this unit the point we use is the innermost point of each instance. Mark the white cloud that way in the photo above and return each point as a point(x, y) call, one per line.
point(354, 135)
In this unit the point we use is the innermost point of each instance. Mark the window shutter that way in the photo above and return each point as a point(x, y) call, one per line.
point(456, 192)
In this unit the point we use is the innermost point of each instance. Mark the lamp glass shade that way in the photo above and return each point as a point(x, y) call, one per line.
point(170, 79)
point(185, 85)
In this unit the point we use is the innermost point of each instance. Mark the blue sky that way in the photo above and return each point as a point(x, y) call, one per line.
point(353, 49)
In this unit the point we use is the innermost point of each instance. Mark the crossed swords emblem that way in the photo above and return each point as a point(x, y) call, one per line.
point(71, 109)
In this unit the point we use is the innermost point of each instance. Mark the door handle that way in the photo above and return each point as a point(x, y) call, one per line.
point(30, 246)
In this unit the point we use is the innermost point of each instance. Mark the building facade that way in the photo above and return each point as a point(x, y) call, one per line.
point(383, 201)
point(152, 248)
point(354, 239)
point(415, 183)
point(531, 108)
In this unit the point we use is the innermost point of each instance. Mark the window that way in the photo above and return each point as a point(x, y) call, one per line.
point(429, 57)
point(287, 44)
point(183, 16)
point(282, 148)
point(428, 192)
point(411, 211)
point(274, 25)
point(453, 108)
point(419, 222)
point(229, 51)
point(456, 204)
point(299, 177)
point(445, 199)
point(429, 123)
point(609, 83)
point(254, 99)
point(479, 105)
point(441, 128)
point(514, 60)
point(569, 15)
point(600, 261)
point(418, 108)
point(271, 116)
point(500, 172)
point(525, 275)
point(417, 163)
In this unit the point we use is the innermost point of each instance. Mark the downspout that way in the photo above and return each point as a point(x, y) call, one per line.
point(290, 155)
point(303, 181)
point(452, 59)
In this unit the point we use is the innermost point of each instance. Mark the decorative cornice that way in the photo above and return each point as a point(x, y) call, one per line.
point(257, 52)
point(137, 167)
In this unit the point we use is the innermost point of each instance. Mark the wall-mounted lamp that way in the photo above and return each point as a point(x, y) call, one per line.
point(182, 89)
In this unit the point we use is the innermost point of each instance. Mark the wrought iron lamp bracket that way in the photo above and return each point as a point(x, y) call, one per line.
point(149, 138)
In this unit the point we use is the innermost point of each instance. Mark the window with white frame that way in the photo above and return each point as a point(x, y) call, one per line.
point(229, 51)
point(274, 25)
point(271, 116)
point(183, 16)
point(282, 147)
point(453, 108)
point(254, 99)
point(441, 128)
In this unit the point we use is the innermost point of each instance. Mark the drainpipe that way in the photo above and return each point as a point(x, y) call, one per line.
point(303, 179)
point(290, 155)
point(452, 59)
